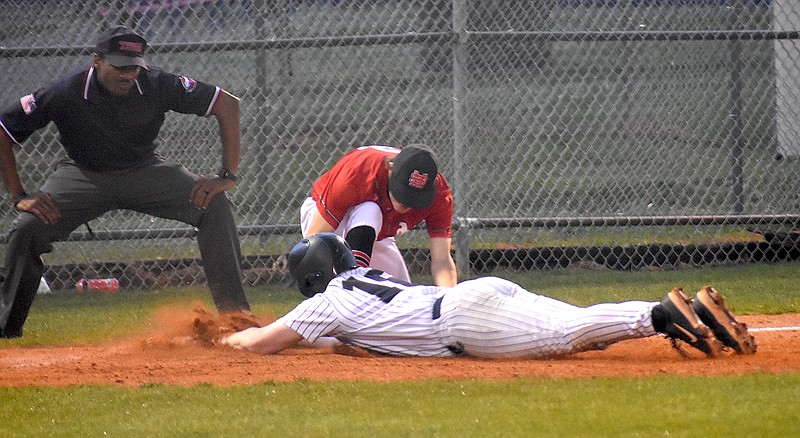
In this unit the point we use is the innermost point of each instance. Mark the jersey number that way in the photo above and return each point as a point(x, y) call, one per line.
point(383, 291)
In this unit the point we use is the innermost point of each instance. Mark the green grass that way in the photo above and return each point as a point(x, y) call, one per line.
point(657, 406)
point(654, 406)
point(750, 289)
point(68, 317)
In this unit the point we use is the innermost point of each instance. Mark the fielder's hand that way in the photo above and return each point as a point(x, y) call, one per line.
point(205, 188)
point(41, 206)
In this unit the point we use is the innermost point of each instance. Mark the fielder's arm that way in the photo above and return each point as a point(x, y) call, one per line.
point(443, 268)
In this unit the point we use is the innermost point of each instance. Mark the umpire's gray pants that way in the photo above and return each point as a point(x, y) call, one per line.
point(160, 189)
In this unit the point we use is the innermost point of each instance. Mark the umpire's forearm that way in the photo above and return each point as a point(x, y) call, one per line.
point(227, 112)
point(8, 166)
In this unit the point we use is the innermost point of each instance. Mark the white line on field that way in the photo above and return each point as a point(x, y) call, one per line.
point(773, 329)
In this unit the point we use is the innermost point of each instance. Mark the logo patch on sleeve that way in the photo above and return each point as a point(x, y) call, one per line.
point(28, 103)
point(189, 84)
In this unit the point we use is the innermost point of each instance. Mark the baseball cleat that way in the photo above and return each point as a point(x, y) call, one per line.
point(710, 307)
point(685, 325)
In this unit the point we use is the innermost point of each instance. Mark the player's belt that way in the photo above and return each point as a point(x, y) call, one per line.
point(455, 348)
point(437, 308)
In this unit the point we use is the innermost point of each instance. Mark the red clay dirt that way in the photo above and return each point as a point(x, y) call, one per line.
point(174, 354)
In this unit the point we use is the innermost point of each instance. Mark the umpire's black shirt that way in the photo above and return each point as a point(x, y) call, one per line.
point(101, 131)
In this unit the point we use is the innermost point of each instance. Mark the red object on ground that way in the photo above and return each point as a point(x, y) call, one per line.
point(102, 284)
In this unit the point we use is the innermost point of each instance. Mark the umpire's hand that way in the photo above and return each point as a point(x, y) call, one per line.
point(41, 206)
point(205, 188)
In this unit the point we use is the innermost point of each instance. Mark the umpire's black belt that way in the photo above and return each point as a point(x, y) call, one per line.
point(455, 348)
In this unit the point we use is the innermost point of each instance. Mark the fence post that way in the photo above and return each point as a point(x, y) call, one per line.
point(271, 103)
point(460, 170)
point(735, 48)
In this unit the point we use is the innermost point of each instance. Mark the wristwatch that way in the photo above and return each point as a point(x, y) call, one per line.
point(20, 196)
point(227, 174)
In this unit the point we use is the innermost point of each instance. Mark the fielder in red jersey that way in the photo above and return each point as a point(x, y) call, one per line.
point(376, 193)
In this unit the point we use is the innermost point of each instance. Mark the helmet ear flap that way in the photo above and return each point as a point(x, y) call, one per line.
point(310, 283)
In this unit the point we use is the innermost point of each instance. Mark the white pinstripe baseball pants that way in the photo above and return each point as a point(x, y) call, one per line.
point(495, 318)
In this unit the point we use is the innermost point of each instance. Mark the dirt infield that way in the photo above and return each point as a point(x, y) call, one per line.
point(172, 355)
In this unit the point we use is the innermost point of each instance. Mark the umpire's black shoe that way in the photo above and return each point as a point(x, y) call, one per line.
point(710, 307)
point(684, 324)
point(4, 335)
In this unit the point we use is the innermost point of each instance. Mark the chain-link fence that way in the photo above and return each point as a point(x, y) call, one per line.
point(624, 133)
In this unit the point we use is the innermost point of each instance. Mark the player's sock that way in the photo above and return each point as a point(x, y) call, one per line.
point(361, 239)
point(660, 317)
point(362, 259)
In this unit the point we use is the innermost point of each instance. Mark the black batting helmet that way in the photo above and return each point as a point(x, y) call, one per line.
point(314, 261)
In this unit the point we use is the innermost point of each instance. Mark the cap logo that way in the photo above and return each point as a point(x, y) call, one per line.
point(418, 180)
point(131, 46)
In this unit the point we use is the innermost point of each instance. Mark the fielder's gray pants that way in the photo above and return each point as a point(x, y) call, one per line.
point(161, 189)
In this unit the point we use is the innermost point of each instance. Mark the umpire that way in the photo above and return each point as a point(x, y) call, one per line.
point(108, 116)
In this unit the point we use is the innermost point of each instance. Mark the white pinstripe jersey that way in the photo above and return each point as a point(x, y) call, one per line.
point(486, 317)
point(370, 309)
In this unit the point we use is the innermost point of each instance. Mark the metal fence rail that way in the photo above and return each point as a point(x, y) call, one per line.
point(558, 123)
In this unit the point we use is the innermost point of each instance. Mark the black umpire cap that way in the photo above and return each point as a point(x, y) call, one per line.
point(121, 46)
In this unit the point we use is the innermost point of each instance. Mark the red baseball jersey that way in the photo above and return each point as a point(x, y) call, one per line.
point(360, 176)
